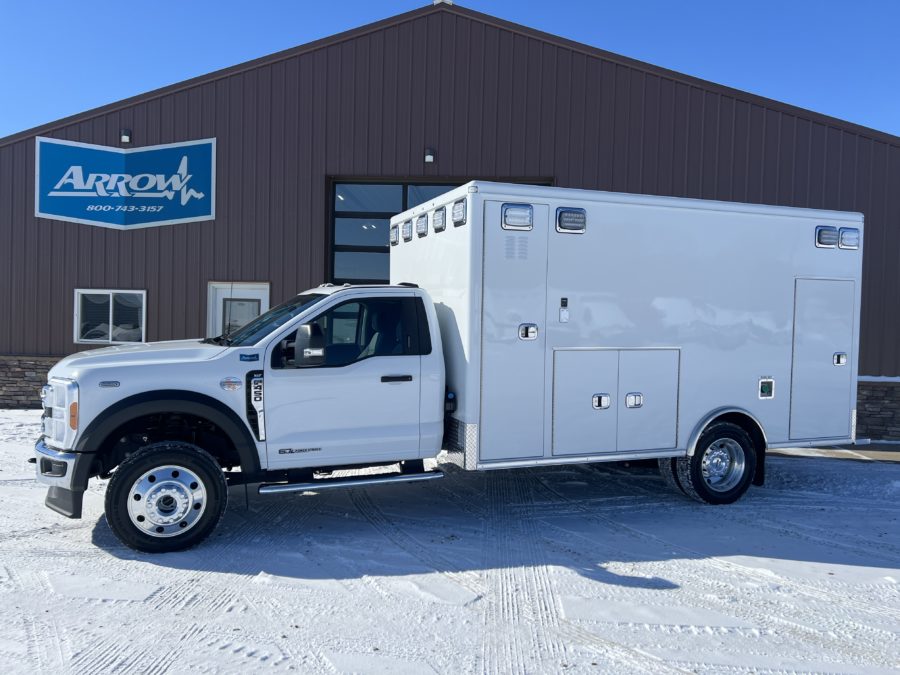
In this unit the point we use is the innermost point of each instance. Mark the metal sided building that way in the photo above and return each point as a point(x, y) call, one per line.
point(188, 210)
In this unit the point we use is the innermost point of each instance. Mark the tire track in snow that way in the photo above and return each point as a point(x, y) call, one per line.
point(231, 556)
point(45, 646)
point(238, 564)
point(430, 558)
point(846, 643)
point(500, 646)
point(188, 592)
point(46, 529)
point(508, 497)
point(540, 602)
point(801, 587)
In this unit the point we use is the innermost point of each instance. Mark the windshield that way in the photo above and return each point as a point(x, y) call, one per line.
point(264, 324)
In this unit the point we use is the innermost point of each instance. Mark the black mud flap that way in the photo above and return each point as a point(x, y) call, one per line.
point(759, 478)
point(65, 502)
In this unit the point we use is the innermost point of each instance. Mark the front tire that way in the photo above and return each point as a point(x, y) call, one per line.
point(165, 497)
point(722, 466)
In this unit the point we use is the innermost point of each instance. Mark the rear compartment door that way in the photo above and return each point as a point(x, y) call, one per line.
point(648, 399)
point(513, 336)
point(821, 377)
point(585, 391)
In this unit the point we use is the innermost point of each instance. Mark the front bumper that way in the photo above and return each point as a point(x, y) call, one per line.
point(66, 474)
point(55, 468)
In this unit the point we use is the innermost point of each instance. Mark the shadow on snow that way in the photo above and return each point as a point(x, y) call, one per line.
point(584, 518)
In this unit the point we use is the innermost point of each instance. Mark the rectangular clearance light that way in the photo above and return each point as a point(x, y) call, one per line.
point(458, 215)
point(422, 225)
point(395, 235)
point(849, 238)
point(826, 236)
point(407, 231)
point(569, 220)
point(438, 221)
point(517, 216)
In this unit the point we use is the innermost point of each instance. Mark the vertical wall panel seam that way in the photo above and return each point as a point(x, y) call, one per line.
point(659, 80)
point(643, 132)
point(734, 106)
point(701, 154)
point(746, 192)
point(794, 145)
point(885, 214)
point(718, 131)
point(809, 164)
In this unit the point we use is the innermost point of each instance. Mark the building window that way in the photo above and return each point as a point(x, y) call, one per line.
point(105, 316)
point(361, 226)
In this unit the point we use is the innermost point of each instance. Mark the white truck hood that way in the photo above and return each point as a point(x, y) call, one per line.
point(149, 353)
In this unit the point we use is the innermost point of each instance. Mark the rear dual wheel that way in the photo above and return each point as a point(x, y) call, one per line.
point(166, 497)
point(720, 470)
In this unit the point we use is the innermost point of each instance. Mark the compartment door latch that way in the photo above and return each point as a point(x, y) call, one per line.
point(528, 331)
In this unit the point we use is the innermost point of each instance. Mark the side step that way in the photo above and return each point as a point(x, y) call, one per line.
point(328, 483)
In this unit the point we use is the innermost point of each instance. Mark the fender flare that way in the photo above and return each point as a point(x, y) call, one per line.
point(173, 401)
point(718, 412)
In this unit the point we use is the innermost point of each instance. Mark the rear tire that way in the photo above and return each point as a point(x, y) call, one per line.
point(722, 466)
point(165, 497)
point(668, 469)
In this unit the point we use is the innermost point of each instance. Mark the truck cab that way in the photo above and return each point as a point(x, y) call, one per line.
point(336, 376)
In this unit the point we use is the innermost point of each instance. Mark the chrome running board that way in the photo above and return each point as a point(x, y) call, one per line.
point(361, 481)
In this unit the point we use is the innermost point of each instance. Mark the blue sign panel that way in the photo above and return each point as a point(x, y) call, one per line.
point(125, 188)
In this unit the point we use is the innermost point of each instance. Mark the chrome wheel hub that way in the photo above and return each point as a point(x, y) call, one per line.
point(722, 464)
point(166, 501)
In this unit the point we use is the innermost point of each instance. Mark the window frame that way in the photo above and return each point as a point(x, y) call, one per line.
point(76, 320)
point(380, 215)
point(414, 306)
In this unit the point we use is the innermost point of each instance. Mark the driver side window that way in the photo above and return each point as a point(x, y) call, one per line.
point(350, 332)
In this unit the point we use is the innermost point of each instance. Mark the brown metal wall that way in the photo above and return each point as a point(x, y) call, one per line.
point(493, 99)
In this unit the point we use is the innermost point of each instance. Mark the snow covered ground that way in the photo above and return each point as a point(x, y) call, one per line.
point(575, 569)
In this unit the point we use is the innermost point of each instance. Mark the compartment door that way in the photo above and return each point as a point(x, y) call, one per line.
point(821, 382)
point(585, 391)
point(513, 337)
point(648, 399)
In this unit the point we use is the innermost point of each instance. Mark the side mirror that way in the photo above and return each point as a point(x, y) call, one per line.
point(309, 347)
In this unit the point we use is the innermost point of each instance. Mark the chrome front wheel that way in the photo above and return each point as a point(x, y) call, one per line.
point(167, 496)
point(167, 500)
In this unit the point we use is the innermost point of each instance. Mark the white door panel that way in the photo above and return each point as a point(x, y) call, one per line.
point(319, 416)
point(821, 389)
point(585, 391)
point(648, 399)
point(512, 379)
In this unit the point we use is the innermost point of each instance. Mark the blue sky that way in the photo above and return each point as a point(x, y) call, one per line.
point(60, 57)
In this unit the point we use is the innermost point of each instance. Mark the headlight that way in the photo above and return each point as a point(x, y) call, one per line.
point(60, 421)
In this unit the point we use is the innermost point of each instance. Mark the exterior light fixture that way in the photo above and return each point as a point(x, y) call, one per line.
point(429, 156)
point(125, 135)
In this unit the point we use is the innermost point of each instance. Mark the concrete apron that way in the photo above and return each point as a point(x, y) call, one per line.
point(871, 452)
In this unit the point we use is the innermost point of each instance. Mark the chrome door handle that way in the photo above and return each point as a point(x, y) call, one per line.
point(528, 331)
point(839, 359)
point(634, 400)
point(601, 401)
